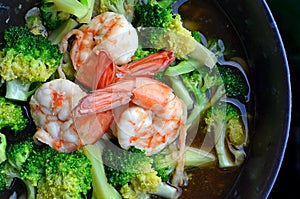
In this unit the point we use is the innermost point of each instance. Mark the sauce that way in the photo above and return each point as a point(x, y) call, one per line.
point(208, 18)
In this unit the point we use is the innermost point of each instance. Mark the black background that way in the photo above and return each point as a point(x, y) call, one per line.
point(287, 16)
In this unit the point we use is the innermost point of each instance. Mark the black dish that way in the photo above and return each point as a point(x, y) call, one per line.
point(270, 83)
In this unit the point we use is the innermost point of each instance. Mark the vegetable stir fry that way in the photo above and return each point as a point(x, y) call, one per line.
point(113, 91)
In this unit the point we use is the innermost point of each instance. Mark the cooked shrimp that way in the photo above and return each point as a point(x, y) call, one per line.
point(146, 113)
point(105, 72)
point(51, 109)
point(109, 31)
point(85, 129)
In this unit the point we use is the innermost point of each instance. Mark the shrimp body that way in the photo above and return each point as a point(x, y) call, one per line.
point(51, 110)
point(109, 31)
point(147, 115)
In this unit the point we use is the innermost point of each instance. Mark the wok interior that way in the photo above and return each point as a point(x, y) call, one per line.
point(270, 87)
point(272, 96)
point(249, 24)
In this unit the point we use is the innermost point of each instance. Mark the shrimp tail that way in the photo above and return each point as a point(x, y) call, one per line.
point(100, 102)
point(99, 71)
point(147, 66)
point(92, 127)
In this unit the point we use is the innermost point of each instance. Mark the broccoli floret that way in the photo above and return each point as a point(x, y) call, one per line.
point(52, 18)
point(141, 185)
point(55, 12)
point(18, 153)
point(122, 165)
point(163, 29)
point(124, 7)
point(197, 83)
point(66, 175)
point(26, 58)
point(16, 156)
point(130, 171)
point(235, 82)
point(196, 35)
point(57, 174)
point(200, 87)
point(12, 117)
point(101, 187)
point(225, 121)
point(141, 53)
point(34, 167)
point(3, 145)
point(151, 14)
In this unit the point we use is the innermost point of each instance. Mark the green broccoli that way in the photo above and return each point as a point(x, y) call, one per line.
point(126, 169)
point(164, 162)
point(129, 171)
point(160, 28)
point(3, 145)
point(235, 82)
point(124, 7)
point(101, 188)
point(141, 53)
point(7, 174)
point(152, 14)
point(58, 34)
point(52, 18)
point(25, 59)
point(18, 153)
point(196, 35)
point(194, 84)
point(57, 174)
point(12, 117)
point(200, 87)
point(33, 170)
point(55, 12)
point(225, 121)
point(66, 175)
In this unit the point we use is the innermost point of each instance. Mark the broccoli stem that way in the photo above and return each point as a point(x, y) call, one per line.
point(101, 188)
point(197, 157)
point(73, 7)
point(57, 35)
point(3, 145)
point(204, 56)
point(182, 68)
point(31, 191)
point(199, 106)
point(18, 90)
point(88, 16)
point(223, 157)
point(194, 157)
point(166, 191)
point(165, 3)
point(181, 92)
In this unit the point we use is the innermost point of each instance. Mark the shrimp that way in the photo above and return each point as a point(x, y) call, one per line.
point(105, 72)
point(89, 128)
point(146, 112)
point(109, 31)
point(51, 110)
point(147, 115)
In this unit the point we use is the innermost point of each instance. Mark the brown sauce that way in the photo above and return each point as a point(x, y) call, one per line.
point(207, 17)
